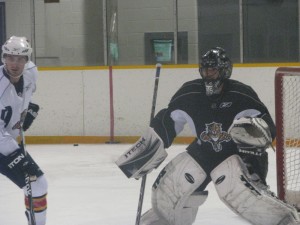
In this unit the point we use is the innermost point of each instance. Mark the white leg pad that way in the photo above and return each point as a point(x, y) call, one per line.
point(247, 199)
point(173, 194)
point(151, 218)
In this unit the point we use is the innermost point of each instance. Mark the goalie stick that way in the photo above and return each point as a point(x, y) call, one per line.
point(29, 215)
point(143, 183)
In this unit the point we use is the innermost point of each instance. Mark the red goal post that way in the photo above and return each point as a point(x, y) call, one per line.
point(287, 112)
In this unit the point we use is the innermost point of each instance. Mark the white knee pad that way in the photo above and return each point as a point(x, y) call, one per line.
point(39, 187)
point(247, 199)
point(173, 193)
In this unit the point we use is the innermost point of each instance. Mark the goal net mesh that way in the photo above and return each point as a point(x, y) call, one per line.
point(287, 104)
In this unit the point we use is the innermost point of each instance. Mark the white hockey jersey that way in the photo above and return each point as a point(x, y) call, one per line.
point(12, 105)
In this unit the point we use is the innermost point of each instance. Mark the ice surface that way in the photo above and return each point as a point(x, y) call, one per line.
point(87, 188)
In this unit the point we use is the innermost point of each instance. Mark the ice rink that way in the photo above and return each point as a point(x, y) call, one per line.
point(87, 188)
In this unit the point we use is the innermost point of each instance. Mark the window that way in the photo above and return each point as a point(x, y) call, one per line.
point(271, 31)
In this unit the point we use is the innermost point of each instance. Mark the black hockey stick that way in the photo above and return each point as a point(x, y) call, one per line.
point(143, 184)
point(30, 215)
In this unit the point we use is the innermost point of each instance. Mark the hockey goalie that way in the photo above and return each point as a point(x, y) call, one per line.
point(233, 130)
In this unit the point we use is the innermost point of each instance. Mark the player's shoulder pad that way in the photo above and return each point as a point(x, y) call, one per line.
point(30, 76)
point(241, 87)
point(193, 86)
point(31, 70)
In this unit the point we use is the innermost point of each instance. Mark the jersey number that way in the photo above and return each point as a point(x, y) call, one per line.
point(6, 115)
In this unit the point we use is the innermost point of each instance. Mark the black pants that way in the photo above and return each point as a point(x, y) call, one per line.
point(18, 179)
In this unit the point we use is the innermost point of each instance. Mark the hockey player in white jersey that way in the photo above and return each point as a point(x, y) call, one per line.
point(232, 129)
point(18, 77)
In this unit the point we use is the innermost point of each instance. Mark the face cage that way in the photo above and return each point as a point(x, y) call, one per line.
point(213, 87)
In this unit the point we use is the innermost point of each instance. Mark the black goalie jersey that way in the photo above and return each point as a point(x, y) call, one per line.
point(209, 118)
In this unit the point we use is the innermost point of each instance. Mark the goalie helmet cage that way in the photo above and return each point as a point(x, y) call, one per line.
point(287, 112)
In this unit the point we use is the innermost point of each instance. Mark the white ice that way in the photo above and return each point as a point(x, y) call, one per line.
point(87, 188)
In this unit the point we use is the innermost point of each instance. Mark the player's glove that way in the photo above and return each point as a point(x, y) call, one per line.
point(32, 113)
point(20, 163)
point(252, 135)
point(144, 156)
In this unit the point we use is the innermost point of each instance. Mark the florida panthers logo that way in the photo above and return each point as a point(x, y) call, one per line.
point(215, 135)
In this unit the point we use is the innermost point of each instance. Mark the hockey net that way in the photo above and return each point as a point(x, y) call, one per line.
point(287, 110)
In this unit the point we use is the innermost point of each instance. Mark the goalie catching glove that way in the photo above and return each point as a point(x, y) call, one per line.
point(252, 135)
point(144, 156)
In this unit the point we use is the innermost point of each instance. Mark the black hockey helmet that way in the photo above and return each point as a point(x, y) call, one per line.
point(217, 58)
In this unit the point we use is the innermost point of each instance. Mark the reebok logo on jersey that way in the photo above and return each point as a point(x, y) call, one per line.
point(225, 105)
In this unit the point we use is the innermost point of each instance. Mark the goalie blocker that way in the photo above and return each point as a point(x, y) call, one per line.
point(144, 156)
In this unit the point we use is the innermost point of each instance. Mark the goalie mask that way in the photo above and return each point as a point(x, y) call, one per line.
point(215, 68)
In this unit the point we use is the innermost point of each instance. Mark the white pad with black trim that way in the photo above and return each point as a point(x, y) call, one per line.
point(144, 156)
point(173, 193)
point(151, 218)
point(247, 199)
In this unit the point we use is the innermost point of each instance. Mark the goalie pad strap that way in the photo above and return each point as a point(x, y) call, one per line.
point(144, 156)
